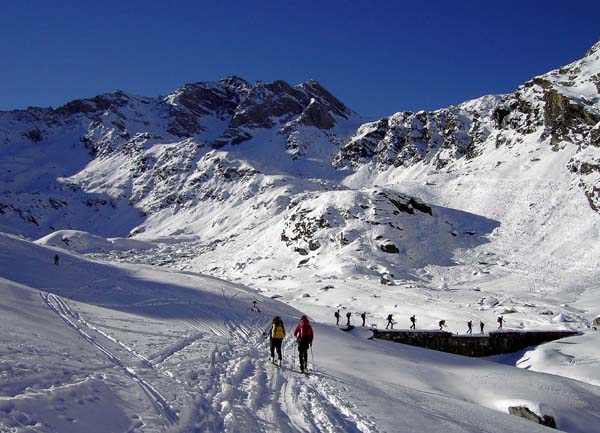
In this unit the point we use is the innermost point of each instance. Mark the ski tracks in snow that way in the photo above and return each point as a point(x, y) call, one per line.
point(252, 395)
point(73, 320)
point(241, 391)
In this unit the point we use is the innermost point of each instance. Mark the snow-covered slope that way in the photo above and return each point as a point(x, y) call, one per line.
point(465, 213)
point(95, 347)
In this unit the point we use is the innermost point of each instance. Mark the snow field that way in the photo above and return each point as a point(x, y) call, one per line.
point(183, 352)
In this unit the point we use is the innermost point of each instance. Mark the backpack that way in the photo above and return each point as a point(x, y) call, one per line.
point(277, 330)
point(499, 320)
point(336, 314)
point(305, 329)
point(389, 317)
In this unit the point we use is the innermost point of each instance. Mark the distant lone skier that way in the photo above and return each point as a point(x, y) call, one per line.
point(481, 325)
point(500, 322)
point(442, 324)
point(254, 307)
point(56, 259)
point(348, 315)
point(304, 335)
point(390, 322)
point(277, 334)
point(337, 317)
point(413, 321)
point(470, 327)
point(363, 316)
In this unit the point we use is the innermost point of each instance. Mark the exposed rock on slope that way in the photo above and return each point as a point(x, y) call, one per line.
point(557, 108)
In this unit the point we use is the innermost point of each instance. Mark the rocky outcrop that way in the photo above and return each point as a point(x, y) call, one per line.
point(372, 219)
point(407, 138)
point(282, 106)
point(189, 104)
point(106, 102)
point(525, 412)
point(566, 120)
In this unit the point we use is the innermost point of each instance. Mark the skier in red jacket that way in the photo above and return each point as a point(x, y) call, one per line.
point(304, 335)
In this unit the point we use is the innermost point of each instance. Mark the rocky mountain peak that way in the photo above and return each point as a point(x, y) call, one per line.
point(235, 81)
point(281, 105)
point(103, 102)
point(315, 90)
point(595, 48)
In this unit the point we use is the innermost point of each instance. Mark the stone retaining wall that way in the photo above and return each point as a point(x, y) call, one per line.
point(494, 343)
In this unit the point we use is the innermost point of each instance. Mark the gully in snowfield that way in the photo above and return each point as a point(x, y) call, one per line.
point(304, 335)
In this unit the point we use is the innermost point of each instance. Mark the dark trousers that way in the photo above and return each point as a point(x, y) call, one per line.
point(276, 344)
point(303, 346)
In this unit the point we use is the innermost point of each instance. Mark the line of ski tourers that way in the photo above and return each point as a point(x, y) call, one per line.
point(413, 321)
point(304, 334)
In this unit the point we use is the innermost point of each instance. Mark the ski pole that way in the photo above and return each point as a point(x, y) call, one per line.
point(294, 358)
point(313, 358)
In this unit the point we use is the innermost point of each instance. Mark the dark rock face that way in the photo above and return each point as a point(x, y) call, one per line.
point(265, 102)
point(314, 90)
point(364, 146)
point(564, 118)
point(279, 105)
point(406, 204)
point(389, 248)
point(190, 103)
point(317, 115)
point(98, 103)
point(407, 138)
point(35, 135)
point(525, 412)
point(302, 227)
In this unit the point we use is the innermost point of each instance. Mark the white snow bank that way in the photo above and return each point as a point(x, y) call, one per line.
point(575, 357)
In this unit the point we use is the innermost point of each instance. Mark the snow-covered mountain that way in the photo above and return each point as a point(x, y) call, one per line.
point(229, 166)
point(124, 156)
point(464, 213)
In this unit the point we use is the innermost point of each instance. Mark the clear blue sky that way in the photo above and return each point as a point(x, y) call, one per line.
point(378, 57)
